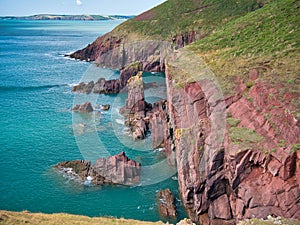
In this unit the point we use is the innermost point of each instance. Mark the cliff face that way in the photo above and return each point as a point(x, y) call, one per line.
point(253, 171)
point(118, 52)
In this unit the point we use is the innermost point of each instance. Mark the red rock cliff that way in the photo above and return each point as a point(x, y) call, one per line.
point(245, 166)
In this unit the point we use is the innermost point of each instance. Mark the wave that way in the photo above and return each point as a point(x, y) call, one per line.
point(31, 88)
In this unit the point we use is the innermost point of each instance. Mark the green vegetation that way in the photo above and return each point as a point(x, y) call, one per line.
point(266, 39)
point(242, 134)
point(281, 144)
point(233, 122)
point(295, 148)
point(176, 17)
point(8, 218)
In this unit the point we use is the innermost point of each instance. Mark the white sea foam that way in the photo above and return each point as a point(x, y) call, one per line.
point(119, 121)
point(159, 149)
point(72, 84)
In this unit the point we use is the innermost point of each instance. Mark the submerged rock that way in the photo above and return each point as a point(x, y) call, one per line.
point(117, 169)
point(84, 108)
point(166, 206)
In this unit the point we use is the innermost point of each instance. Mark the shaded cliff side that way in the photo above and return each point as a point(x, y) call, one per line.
point(232, 112)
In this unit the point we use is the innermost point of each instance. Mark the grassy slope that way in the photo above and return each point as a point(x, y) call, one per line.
point(178, 16)
point(267, 39)
point(7, 217)
point(239, 35)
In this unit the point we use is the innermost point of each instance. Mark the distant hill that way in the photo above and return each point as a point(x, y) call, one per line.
point(66, 17)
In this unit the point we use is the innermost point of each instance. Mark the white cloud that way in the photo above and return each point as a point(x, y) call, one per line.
point(78, 2)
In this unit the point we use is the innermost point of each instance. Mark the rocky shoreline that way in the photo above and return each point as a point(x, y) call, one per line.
point(237, 155)
point(229, 188)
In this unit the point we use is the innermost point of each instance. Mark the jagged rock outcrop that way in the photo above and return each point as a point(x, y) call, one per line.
point(114, 86)
point(84, 108)
point(136, 107)
point(166, 203)
point(117, 169)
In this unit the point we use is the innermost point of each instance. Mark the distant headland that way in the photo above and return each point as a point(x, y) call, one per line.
point(66, 17)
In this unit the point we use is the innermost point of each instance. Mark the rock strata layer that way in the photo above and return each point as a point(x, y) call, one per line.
point(118, 169)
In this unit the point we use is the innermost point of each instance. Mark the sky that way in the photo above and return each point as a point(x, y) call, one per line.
point(101, 7)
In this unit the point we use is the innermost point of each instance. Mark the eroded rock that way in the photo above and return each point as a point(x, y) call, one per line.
point(117, 169)
point(166, 205)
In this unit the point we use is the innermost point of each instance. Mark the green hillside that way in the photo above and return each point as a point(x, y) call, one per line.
point(266, 39)
point(236, 36)
point(178, 16)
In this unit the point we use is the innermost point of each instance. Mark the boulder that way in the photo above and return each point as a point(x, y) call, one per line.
point(166, 206)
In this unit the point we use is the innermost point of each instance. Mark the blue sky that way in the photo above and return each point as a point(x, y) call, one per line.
point(106, 7)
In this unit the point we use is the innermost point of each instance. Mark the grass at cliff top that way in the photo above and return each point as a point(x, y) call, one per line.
point(7, 217)
point(267, 39)
point(179, 16)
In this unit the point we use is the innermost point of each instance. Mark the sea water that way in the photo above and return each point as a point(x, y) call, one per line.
point(38, 129)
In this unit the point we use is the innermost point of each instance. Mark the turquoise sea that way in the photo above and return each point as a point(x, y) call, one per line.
point(38, 129)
